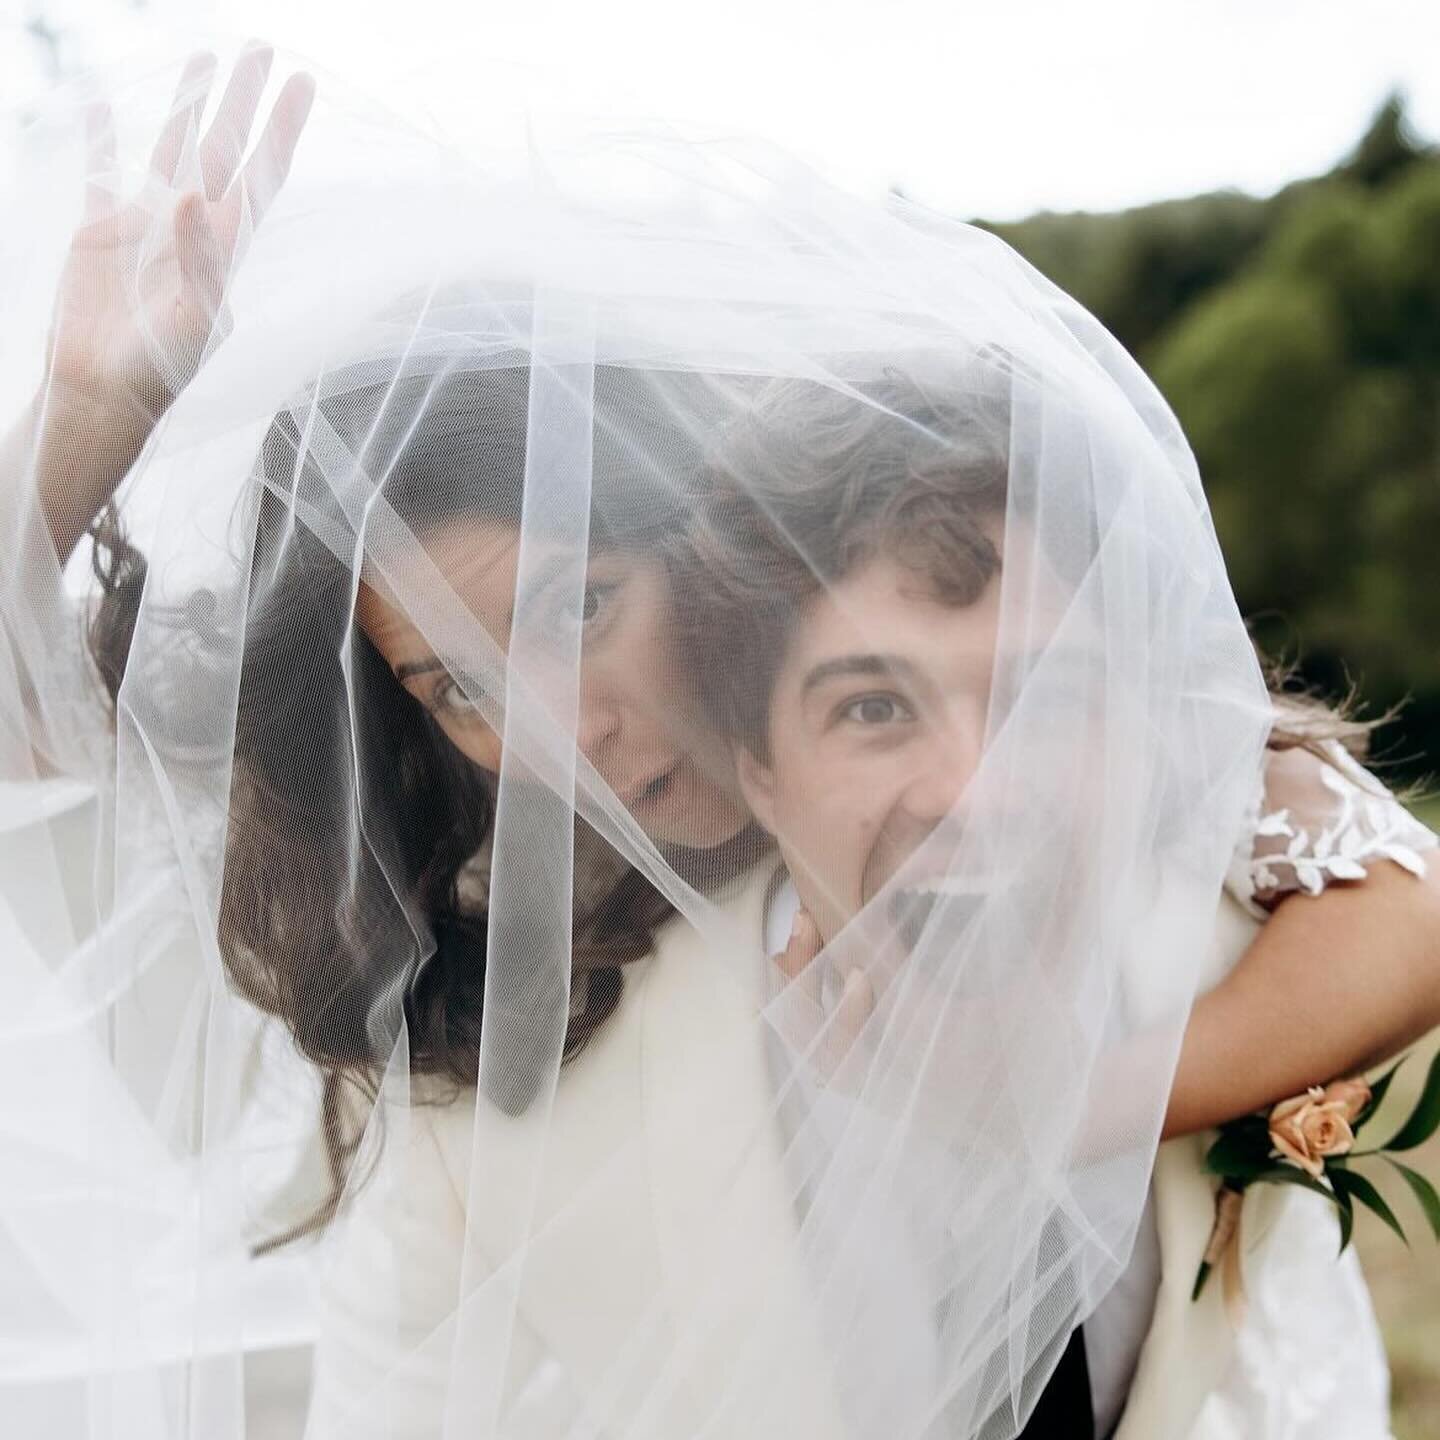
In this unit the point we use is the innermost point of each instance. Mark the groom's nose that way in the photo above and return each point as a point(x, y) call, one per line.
point(945, 763)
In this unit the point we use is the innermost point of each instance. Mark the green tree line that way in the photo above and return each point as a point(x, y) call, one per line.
point(1298, 339)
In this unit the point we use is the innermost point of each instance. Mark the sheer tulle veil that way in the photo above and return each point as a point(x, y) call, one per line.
point(545, 571)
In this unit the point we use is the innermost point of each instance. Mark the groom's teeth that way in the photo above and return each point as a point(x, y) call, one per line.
point(911, 906)
point(942, 886)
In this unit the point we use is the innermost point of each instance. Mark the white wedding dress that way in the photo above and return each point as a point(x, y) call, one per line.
point(1310, 1363)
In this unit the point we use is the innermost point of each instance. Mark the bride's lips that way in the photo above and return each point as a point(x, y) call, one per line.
point(649, 790)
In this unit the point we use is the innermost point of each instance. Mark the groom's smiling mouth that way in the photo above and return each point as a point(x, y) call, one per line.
point(911, 906)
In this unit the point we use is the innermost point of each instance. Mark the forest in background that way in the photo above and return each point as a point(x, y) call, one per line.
point(1298, 339)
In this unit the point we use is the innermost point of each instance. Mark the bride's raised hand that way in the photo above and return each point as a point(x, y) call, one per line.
point(142, 295)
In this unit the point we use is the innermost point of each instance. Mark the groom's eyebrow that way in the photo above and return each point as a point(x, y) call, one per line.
point(847, 666)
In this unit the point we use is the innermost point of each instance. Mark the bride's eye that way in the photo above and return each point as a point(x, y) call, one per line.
point(876, 709)
point(598, 599)
point(448, 699)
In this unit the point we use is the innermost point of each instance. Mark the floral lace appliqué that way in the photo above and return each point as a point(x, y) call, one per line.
point(1339, 821)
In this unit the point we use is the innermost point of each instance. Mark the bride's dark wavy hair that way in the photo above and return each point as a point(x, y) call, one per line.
point(340, 934)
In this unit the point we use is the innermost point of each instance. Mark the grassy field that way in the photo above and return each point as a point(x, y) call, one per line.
point(1405, 1283)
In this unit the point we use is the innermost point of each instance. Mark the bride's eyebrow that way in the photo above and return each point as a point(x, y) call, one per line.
point(547, 572)
point(418, 667)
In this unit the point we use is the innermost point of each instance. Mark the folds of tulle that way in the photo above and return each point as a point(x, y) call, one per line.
point(712, 1220)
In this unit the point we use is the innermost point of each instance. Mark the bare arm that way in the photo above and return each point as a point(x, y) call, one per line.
point(1333, 984)
point(80, 449)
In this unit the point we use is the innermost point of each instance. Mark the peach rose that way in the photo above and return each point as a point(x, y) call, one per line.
point(1309, 1127)
point(1354, 1095)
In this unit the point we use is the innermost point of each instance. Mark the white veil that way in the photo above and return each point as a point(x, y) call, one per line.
point(642, 456)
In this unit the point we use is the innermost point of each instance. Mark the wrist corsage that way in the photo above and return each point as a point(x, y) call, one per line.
point(1312, 1141)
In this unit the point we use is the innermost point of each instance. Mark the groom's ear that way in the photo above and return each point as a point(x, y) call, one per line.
point(757, 785)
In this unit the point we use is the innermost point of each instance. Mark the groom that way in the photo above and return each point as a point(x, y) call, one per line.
point(847, 627)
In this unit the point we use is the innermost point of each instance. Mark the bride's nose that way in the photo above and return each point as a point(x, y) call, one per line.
point(598, 725)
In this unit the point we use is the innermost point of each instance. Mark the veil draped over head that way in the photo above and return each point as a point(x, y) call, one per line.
point(555, 583)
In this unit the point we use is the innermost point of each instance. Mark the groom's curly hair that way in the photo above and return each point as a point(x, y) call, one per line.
point(813, 480)
point(807, 486)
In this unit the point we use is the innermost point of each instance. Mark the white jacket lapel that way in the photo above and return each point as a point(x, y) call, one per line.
point(662, 1238)
point(559, 1258)
point(723, 1204)
point(1190, 1342)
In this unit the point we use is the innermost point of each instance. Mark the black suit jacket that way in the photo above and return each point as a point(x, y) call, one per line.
point(1065, 1410)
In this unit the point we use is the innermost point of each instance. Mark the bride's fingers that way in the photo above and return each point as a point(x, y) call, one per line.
point(857, 1005)
point(844, 1025)
point(99, 161)
point(201, 259)
point(266, 169)
point(796, 961)
point(229, 131)
point(190, 96)
point(839, 1030)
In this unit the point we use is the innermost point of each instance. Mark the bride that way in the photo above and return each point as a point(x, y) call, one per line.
point(440, 747)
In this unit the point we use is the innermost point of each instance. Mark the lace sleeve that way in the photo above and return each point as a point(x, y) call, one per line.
point(53, 717)
point(1318, 821)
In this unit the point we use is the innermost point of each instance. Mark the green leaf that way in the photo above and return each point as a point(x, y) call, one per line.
point(1377, 1094)
point(1424, 1118)
point(1347, 1220)
point(1201, 1276)
point(1256, 1127)
point(1354, 1186)
point(1424, 1192)
point(1239, 1155)
point(1293, 1175)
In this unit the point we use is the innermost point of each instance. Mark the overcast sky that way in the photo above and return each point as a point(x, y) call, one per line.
point(994, 109)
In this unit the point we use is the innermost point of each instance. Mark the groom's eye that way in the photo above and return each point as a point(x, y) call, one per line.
point(881, 709)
